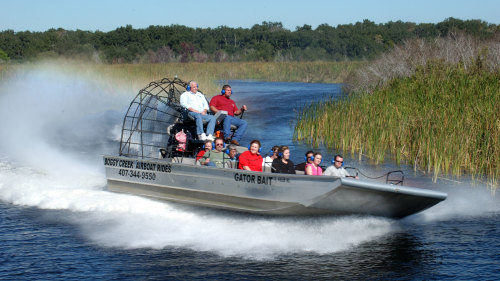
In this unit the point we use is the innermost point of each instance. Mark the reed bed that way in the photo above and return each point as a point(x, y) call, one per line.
point(444, 119)
point(210, 76)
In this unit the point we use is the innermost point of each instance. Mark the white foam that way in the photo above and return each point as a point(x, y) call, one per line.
point(251, 238)
point(465, 199)
point(46, 114)
point(115, 220)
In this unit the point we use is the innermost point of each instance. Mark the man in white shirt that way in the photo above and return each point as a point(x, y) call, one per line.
point(197, 105)
point(268, 161)
point(336, 169)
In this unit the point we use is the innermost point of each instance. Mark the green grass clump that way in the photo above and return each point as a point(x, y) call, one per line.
point(443, 119)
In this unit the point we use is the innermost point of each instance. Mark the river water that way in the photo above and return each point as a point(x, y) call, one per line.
point(57, 221)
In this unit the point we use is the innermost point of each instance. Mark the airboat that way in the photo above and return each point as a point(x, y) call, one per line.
point(151, 163)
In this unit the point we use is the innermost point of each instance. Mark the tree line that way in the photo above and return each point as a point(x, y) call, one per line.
point(268, 41)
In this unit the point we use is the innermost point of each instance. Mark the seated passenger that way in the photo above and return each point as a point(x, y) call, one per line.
point(314, 169)
point(232, 162)
point(268, 161)
point(251, 160)
point(216, 157)
point(336, 169)
point(224, 102)
point(283, 164)
point(206, 147)
point(308, 159)
point(197, 105)
point(233, 153)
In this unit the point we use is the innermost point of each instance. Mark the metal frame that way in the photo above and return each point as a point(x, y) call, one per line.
point(150, 118)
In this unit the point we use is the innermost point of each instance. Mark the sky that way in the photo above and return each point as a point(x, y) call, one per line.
point(107, 15)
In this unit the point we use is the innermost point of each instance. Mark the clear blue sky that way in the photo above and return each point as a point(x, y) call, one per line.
point(106, 15)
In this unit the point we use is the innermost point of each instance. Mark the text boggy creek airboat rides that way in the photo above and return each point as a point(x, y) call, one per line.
point(150, 164)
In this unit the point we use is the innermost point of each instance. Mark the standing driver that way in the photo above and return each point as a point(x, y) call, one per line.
point(196, 103)
point(224, 102)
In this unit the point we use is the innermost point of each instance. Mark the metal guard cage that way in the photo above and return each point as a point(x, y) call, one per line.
point(151, 119)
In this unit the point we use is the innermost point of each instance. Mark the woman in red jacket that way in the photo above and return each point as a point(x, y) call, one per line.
point(251, 160)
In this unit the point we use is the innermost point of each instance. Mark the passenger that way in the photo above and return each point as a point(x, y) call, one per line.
point(251, 160)
point(206, 147)
point(268, 161)
point(232, 152)
point(216, 157)
point(197, 105)
point(232, 162)
point(224, 102)
point(314, 169)
point(283, 164)
point(336, 169)
point(307, 158)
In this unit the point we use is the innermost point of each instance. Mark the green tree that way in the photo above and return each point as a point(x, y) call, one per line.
point(3, 56)
point(265, 41)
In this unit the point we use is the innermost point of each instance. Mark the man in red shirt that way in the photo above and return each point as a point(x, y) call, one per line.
point(224, 102)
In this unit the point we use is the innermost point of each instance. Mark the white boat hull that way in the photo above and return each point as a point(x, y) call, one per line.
point(264, 193)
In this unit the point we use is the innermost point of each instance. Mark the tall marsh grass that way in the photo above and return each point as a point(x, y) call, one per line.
point(210, 76)
point(444, 119)
point(403, 61)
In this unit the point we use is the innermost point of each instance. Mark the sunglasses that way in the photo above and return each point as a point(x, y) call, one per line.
point(339, 161)
point(219, 144)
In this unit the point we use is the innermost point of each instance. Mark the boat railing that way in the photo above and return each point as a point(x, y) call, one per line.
point(179, 157)
point(393, 177)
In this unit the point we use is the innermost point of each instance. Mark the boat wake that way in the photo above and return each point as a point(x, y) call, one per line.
point(465, 200)
point(53, 135)
point(130, 222)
